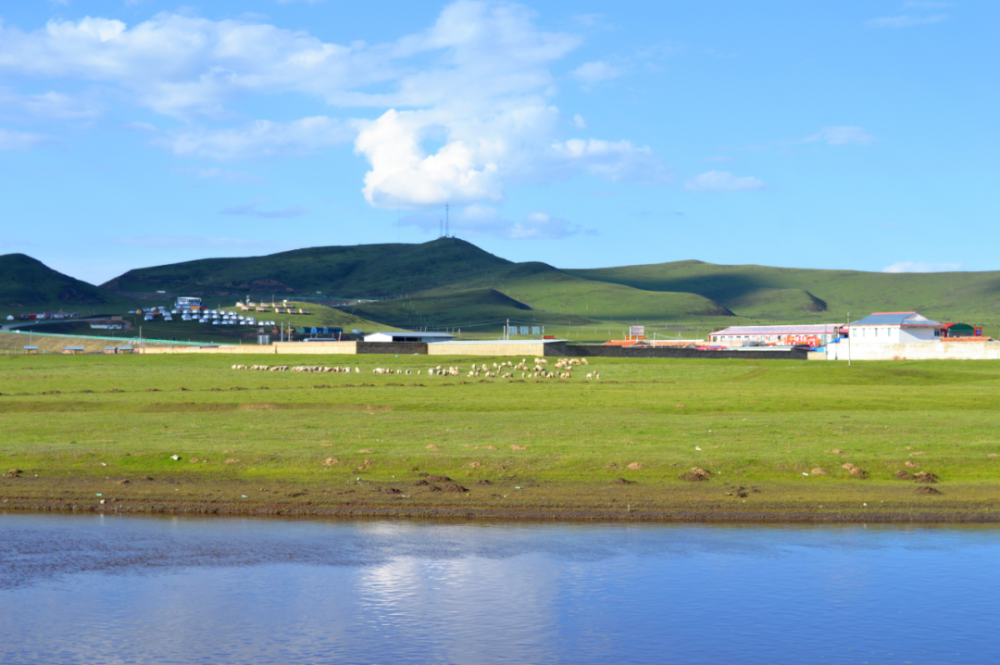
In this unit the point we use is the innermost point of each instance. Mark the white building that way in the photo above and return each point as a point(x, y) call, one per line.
point(783, 335)
point(407, 336)
point(894, 328)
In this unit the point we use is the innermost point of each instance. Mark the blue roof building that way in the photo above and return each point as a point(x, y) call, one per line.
point(894, 328)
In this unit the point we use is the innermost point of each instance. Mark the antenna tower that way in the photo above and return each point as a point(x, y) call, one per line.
point(446, 221)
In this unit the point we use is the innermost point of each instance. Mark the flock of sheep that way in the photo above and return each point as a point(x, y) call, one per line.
point(297, 368)
point(504, 370)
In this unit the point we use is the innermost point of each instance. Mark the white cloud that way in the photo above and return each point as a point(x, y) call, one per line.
point(904, 21)
point(479, 220)
point(611, 160)
point(592, 73)
point(579, 122)
point(841, 136)
point(183, 65)
point(261, 138)
point(722, 181)
point(49, 105)
point(253, 210)
point(463, 108)
point(914, 266)
point(11, 140)
point(540, 226)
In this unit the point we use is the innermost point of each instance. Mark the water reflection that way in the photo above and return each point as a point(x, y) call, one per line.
point(109, 590)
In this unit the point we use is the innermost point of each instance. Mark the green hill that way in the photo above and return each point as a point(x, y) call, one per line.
point(469, 309)
point(802, 294)
point(546, 288)
point(320, 315)
point(28, 285)
point(450, 282)
point(360, 271)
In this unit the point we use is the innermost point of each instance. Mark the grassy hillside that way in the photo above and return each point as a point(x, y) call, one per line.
point(349, 272)
point(682, 291)
point(470, 310)
point(27, 284)
point(792, 293)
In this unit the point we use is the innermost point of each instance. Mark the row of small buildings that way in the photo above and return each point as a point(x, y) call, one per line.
point(876, 328)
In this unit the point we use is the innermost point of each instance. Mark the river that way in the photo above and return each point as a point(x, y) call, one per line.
point(96, 589)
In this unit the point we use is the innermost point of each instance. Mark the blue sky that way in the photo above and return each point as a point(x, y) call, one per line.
point(823, 135)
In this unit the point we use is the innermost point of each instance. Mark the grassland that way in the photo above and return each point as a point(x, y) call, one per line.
point(358, 443)
point(802, 294)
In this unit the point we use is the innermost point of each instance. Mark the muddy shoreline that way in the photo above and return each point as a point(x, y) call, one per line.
point(518, 514)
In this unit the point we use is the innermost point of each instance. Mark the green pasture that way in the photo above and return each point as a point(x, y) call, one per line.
point(746, 421)
point(804, 295)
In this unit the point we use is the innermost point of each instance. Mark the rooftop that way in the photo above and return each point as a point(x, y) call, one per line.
point(410, 333)
point(908, 319)
point(809, 329)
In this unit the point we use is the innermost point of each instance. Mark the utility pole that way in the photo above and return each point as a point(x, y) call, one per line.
point(849, 339)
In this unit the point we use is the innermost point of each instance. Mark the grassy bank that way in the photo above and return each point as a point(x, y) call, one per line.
point(616, 448)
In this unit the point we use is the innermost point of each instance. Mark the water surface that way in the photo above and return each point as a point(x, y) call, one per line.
point(92, 589)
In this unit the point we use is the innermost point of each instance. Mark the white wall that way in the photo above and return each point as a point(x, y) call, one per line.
point(891, 335)
point(918, 335)
point(915, 351)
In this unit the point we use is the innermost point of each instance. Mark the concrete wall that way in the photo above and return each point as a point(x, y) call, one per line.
point(224, 350)
point(400, 348)
point(916, 351)
point(324, 348)
point(580, 350)
point(490, 348)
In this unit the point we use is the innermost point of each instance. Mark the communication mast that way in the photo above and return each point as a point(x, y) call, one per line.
point(446, 221)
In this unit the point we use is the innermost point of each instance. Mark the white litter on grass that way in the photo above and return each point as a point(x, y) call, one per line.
point(697, 447)
point(175, 457)
point(804, 473)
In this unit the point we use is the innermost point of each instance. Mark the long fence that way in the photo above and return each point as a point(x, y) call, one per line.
point(127, 341)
